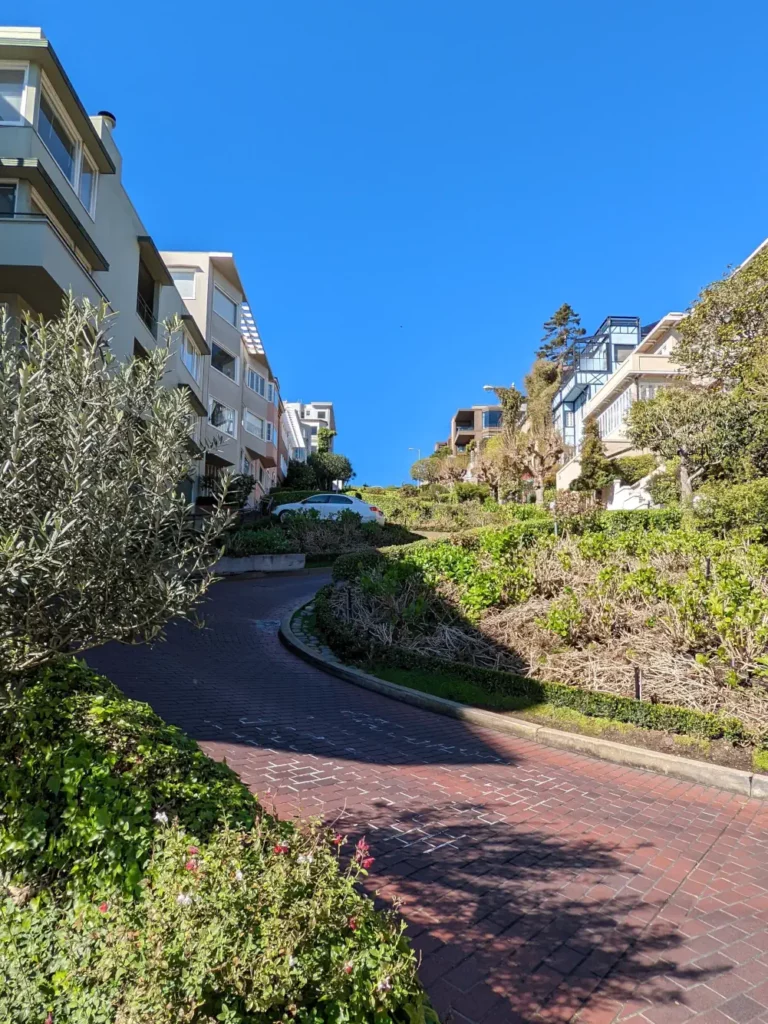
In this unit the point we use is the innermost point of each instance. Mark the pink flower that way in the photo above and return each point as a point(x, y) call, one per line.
point(338, 839)
point(191, 865)
point(281, 848)
point(368, 862)
point(49, 1018)
point(348, 967)
point(362, 849)
point(193, 849)
point(103, 907)
point(352, 922)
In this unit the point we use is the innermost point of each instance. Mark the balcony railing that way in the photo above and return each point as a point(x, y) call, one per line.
point(145, 312)
point(465, 428)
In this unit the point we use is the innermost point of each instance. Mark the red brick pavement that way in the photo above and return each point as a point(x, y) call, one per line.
point(537, 884)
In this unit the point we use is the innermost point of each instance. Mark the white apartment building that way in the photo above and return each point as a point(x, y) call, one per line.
point(66, 221)
point(298, 439)
point(242, 392)
point(68, 225)
point(313, 416)
point(646, 367)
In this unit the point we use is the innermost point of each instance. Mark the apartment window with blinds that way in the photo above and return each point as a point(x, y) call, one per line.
point(7, 200)
point(253, 424)
point(224, 306)
point(270, 392)
point(272, 433)
point(256, 382)
point(223, 418)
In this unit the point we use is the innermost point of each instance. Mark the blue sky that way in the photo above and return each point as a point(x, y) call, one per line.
point(410, 188)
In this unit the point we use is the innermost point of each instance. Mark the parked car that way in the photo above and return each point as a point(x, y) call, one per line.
point(328, 506)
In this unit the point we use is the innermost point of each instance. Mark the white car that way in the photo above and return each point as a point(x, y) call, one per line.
point(328, 506)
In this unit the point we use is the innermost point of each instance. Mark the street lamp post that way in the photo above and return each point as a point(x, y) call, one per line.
point(418, 453)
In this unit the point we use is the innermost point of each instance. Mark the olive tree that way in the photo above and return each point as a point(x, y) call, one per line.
point(96, 538)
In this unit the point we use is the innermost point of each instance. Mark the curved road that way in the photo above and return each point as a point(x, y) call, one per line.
point(538, 884)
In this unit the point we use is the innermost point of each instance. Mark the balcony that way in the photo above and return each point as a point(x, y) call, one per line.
point(640, 367)
point(41, 265)
point(590, 361)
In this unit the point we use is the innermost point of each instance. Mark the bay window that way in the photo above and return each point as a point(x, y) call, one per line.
point(253, 424)
point(87, 187)
point(223, 361)
point(255, 382)
point(222, 417)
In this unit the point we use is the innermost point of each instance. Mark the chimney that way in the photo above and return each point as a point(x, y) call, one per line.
point(109, 118)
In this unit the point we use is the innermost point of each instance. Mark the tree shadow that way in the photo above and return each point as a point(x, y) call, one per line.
point(522, 921)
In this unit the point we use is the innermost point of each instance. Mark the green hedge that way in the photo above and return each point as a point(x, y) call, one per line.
point(350, 646)
point(272, 540)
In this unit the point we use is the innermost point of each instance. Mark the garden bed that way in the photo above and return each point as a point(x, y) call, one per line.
point(576, 621)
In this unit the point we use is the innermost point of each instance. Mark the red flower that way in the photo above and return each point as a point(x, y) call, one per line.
point(362, 849)
point(281, 848)
point(103, 907)
point(348, 967)
point(352, 923)
point(367, 862)
point(191, 865)
point(338, 839)
point(193, 849)
point(49, 1019)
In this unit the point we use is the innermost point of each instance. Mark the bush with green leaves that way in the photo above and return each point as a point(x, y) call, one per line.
point(141, 882)
point(96, 540)
point(587, 605)
point(270, 540)
point(724, 507)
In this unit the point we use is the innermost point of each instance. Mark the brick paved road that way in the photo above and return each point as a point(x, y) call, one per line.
point(539, 885)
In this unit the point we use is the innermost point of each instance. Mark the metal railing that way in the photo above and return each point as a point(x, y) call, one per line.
point(145, 312)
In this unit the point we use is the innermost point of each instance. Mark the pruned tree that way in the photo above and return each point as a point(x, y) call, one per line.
point(427, 469)
point(726, 329)
point(597, 471)
point(560, 332)
point(96, 539)
point(453, 469)
point(330, 467)
point(707, 430)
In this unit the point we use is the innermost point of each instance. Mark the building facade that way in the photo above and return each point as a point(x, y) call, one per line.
point(636, 373)
point(313, 416)
point(475, 423)
point(243, 406)
point(67, 225)
point(66, 221)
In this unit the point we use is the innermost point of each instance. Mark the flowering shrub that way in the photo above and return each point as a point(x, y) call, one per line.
point(140, 882)
point(257, 926)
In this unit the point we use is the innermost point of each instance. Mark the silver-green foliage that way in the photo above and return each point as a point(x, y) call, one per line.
point(96, 541)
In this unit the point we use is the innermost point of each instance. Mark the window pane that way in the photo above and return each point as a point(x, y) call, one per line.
point(255, 382)
point(338, 499)
point(224, 306)
point(57, 138)
point(7, 200)
point(87, 184)
point(319, 499)
point(11, 92)
point(185, 283)
point(253, 424)
point(222, 361)
point(222, 418)
point(191, 358)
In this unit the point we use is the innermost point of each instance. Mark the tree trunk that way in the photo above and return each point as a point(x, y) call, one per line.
point(686, 488)
point(539, 492)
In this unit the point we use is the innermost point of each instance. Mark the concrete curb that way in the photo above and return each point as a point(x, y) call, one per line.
point(733, 780)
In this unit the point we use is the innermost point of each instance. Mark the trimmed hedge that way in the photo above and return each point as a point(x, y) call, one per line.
point(350, 646)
